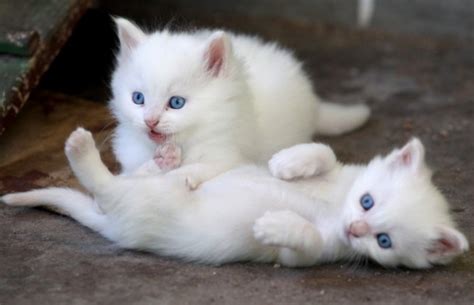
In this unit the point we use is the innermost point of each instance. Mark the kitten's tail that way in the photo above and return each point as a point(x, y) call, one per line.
point(63, 200)
point(335, 119)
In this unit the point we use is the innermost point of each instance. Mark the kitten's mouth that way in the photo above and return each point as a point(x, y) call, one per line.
point(157, 137)
point(347, 236)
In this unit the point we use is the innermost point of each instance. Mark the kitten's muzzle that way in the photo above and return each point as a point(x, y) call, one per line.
point(151, 123)
point(358, 228)
point(157, 137)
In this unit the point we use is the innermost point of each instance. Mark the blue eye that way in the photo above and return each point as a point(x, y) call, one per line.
point(367, 202)
point(138, 98)
point(177, 102)
point(384, 241)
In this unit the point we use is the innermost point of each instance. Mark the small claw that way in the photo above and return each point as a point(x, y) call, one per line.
point(191, 183)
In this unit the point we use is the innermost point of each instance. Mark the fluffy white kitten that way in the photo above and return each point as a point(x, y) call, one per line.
point(388, 211)
point(220, 97)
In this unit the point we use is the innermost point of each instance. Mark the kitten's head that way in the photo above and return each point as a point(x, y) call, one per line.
point(397, 217)
point(170, 83)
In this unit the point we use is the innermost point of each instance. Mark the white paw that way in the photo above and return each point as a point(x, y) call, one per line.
point(168, 156)
point(79, 143)
point(286, 168)
point(302, 161)
point(273, 228)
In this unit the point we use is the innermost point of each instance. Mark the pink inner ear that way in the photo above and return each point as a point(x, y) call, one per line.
point(129, 34)
point(406, 157)
point(445, 245)
point(128, 40)
point(215, 56)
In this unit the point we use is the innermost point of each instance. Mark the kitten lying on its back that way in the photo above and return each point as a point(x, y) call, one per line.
point(218, 98)
point(388, 211)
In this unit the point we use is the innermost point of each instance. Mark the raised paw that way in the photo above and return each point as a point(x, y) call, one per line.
point(168, 156)
point(302, 161)
point(273, 228)
point(79, 143)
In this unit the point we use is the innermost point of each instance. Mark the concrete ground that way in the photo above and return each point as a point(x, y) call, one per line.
point(415, 86)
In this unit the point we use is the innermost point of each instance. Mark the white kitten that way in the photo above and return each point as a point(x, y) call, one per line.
point(221, 97)
point(388, 211)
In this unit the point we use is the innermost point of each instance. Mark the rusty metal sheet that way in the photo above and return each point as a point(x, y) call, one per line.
point(31, 35)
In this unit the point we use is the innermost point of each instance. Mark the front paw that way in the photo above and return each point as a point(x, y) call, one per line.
point(168, 157)
point(302, 161)
point(79, 143)
point(273, 228)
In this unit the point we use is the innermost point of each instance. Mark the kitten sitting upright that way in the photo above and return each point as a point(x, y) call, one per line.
point(388, 211)
point(212, 99)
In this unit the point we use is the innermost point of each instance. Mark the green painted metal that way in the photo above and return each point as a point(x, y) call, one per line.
point(31, 34)
point(24, 22)
point(22, 43)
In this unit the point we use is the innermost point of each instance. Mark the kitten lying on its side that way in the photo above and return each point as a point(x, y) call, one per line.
point(388, 210)
point(212, 99)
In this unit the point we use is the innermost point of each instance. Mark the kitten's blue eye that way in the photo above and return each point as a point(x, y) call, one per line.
point(138, 98)
point(384, 240)
point(367, 202)
point(177, 102)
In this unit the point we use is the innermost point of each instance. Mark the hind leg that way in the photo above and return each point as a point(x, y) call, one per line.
point(85, 161)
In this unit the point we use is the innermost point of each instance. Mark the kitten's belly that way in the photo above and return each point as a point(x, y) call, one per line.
point(251, 187)
point(218, 226)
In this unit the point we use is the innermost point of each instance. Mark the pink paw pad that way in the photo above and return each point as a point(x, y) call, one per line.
point(168, 156)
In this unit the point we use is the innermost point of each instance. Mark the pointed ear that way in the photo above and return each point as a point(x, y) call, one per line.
point(449, 244)
point(217, 54)
point(129, 34)
point(410, 156)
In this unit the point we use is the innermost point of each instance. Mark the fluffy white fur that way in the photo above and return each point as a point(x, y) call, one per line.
point(245, 100)
point(246, 214)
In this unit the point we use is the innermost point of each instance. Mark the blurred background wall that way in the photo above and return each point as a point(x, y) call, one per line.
point(434, 17)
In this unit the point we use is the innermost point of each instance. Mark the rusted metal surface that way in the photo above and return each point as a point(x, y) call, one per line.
point(35, 28)
point(22, 43)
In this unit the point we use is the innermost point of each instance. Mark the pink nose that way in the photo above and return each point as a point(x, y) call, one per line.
point(151, 123)
point(358, 228)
